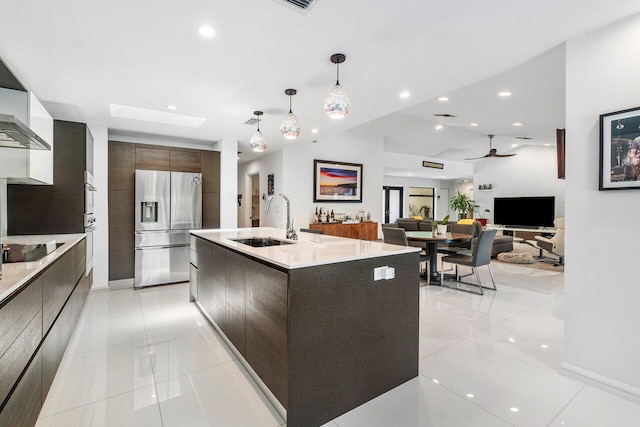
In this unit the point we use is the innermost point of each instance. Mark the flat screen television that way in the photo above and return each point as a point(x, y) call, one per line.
point(524, 211)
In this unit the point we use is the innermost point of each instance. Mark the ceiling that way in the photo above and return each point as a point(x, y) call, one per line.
point(537, 103)
point(80, 56)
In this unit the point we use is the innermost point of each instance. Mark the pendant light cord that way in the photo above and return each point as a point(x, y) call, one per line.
point(337, 74)
point(258, 123)
point(290, 104)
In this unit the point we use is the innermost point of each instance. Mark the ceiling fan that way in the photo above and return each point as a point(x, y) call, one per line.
point(492, 151)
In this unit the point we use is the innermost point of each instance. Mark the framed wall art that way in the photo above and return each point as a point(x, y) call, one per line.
point(620, 150)
point(337, 181)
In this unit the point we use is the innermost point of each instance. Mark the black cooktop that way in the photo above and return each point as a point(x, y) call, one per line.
point(27, 253)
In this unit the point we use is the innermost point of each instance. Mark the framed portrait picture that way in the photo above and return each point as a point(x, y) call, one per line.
point(337, 181)
point(270, 184)
point(620, 150)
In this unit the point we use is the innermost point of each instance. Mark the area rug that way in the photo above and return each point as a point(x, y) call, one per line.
point(520, 252)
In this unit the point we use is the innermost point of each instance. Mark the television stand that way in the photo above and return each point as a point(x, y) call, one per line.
point(525, 233)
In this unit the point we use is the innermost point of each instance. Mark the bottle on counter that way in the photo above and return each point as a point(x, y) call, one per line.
point(316, 218)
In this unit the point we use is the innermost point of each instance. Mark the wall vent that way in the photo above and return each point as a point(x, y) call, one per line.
point(302, 4)
point(523, 137)
point(445, 115)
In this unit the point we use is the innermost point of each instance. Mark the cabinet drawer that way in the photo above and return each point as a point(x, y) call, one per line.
point(80, 258)
point(24, 405)
point(57, 284)
point(14, 360)
point(17, 313)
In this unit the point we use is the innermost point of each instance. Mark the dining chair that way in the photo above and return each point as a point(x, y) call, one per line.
point(480, 256)
point(397, 236)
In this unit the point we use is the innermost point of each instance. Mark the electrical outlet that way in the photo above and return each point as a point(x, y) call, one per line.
point(379, 273)
point(389, 273)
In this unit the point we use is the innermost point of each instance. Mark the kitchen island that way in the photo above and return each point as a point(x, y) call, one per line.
point(307, 318)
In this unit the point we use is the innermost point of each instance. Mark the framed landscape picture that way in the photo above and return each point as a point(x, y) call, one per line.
point(620, 150)
point(337, 181)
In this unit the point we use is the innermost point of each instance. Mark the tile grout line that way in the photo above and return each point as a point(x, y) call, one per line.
point(464, 398)
point(565, 406)
point(153, 373)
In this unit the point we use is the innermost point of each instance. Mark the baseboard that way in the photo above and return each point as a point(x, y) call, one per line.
point(618, 388)
point(121, 284)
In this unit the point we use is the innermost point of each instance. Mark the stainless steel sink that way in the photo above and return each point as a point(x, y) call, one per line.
point(261, 242)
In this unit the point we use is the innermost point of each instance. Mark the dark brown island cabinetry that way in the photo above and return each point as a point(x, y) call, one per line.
point(323, 339)
point(38, 321)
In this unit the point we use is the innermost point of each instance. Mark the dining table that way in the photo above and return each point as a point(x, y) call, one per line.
point(431, 240)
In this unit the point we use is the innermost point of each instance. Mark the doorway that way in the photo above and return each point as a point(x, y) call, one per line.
point(254, 202)
point(392, 203)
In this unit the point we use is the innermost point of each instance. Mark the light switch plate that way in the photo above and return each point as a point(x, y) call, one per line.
point(389, 273)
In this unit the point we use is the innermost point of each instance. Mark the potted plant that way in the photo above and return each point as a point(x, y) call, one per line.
point(442, 227)
point(482, 220)
point(462, 204)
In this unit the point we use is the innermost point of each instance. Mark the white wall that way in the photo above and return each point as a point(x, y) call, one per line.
point(101, 205)
point(602, 286)
point(262, 166)
point(298, 174)
point(533, 172)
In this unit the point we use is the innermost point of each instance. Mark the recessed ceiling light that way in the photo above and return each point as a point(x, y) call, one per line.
point(206, 31)
point(172, 107)
point(512, 340)
point(547, 145)
point(544, 346)
point(314, 130)
point(438, 127)
point(473, 124)
point(405, 94)
point(514, 145)
point(517, 124)
point(504, 93)
point(514, 409)
point(135, 113)
point(469, 394)
point(466, 180)
point(435, 381)
point(443, 99)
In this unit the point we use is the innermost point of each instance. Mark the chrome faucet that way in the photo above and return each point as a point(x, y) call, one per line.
point(291, 232)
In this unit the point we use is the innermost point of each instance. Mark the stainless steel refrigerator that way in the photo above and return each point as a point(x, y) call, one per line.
point(167, 206)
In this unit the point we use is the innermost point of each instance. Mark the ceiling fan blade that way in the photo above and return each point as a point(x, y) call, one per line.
point(478, 158)
point(504, 155)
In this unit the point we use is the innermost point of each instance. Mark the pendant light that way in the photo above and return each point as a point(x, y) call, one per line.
point(337, 103)
point(290, 126)
point(258, 141)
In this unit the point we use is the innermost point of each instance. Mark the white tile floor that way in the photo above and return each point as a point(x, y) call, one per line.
point(149, 358)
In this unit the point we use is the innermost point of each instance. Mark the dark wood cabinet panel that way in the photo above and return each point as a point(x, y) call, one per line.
point(379, 349)
point(16, 314)
point(15, 359)
point(56, 342)
point(30, 207)
point(185, 161)
point(57, 285)
point(266, 345)
point(122, 166)
point(80, 259)
point(153, 158)
point(205, 274)
point(235, 300)
point(121, 235)
point(218, 280)
point(210, 210)
point(210, 166)
point(23, 407)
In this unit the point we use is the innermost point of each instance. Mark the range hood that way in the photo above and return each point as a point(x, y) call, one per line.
point(15, 134)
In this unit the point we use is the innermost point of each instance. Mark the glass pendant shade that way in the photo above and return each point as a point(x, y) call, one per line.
point(290, 126)
point(337, 103)
point(258, 142)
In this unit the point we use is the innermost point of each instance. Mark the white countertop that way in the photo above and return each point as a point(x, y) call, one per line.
point(308, 251)
point(16, 275)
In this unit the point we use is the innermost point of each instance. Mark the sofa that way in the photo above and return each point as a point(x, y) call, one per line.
point(500, 243)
